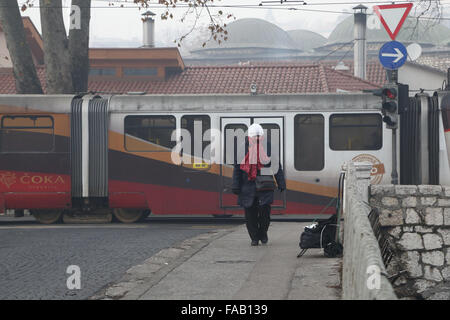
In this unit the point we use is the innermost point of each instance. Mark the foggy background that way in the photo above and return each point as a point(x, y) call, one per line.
point(114, 26)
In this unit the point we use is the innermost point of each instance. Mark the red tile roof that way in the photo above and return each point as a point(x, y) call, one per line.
point(375, 72)
point(7, 83)
point(269, 79)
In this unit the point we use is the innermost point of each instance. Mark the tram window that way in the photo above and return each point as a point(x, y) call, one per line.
point(272, 138)
point(204, 122)
point(355, 132)
point(23, 134)
point(309, 142)
point(149, 133)
point(235, 134)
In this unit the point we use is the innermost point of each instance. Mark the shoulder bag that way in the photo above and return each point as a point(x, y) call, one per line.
point(265, 183)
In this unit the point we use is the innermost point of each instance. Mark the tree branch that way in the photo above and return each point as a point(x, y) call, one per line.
point(56, 48)
point(24, 69)
point(79, 44)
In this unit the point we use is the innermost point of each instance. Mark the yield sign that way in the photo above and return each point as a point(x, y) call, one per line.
point(392, 17)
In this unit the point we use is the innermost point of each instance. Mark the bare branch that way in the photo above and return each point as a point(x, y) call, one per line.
point(426, 10)
point(217, 25)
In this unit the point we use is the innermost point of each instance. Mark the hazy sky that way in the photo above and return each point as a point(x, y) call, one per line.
point(123, 25)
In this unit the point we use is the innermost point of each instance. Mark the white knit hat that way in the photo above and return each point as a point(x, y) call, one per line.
point(255, 130)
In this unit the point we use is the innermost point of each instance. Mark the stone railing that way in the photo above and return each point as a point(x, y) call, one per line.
point(363, 275)
point(416, 220)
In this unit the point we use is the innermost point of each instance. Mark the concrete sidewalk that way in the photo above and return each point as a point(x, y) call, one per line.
point(227, 268)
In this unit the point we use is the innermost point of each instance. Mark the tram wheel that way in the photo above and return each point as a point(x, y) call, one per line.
point(47, 216)
point(128, 215)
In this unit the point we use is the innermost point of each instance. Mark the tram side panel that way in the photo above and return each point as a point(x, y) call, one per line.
point(34, 157)
point(35, 170)
point(143, 175)
point(322, 142)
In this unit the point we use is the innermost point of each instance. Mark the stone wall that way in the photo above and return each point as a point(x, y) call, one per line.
point(416, 220)
point(361, 250)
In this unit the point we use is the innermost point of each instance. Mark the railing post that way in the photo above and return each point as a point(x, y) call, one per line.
point(363, 170)
point(363, 272)
point(357, 180)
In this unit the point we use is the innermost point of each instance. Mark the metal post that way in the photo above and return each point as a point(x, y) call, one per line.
point(392, 76)
point(394, 174)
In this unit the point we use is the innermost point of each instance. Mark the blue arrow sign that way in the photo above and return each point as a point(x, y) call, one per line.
point(392, 55)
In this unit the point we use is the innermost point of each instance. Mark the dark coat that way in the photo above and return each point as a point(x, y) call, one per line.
point(247, 188)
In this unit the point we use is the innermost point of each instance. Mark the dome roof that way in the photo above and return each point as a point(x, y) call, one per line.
point(254, 33)
point(306, 40)
point(423, 33)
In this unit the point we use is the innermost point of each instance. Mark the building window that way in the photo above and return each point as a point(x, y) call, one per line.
point(355, 132)
point(140, 71)
point(23, 134)
point(149, 133)
point(309, 142)
point(204, 125)
point(102, 71)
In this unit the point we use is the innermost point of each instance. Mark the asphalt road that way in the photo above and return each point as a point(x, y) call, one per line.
point(34, 258)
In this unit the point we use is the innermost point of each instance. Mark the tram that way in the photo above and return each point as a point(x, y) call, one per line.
point(65, 155)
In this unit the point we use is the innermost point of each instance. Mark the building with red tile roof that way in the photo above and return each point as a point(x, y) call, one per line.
point(269, 79)
point(162, 71)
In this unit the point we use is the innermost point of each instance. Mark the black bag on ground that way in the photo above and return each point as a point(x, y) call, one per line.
point(319, 235)
point(333, 249)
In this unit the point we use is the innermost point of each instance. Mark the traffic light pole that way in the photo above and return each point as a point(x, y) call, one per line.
point(390, 109)
point(394, 173)
point(392, 77)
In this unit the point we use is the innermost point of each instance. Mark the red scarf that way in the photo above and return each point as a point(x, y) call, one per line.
point(252, 161)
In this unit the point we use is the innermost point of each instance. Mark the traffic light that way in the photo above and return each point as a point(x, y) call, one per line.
point(389, 107)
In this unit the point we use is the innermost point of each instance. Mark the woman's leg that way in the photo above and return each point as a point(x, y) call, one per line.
point(251, 220)
point(264, 222)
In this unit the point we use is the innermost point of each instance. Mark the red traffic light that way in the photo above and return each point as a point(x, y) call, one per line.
point(391, 93)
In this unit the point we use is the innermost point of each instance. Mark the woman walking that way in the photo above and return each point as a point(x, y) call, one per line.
point(256, 202)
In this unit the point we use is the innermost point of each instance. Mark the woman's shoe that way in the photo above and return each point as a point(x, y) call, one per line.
point(254, 242)
point(264, 240)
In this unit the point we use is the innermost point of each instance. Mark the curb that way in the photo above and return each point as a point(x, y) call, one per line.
point(140, 278)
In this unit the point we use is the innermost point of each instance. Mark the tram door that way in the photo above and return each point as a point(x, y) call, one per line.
point(234, 131)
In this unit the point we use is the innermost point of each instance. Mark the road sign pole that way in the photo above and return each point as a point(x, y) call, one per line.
point(392, 76)
point(394, 173)
point(393, 55)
